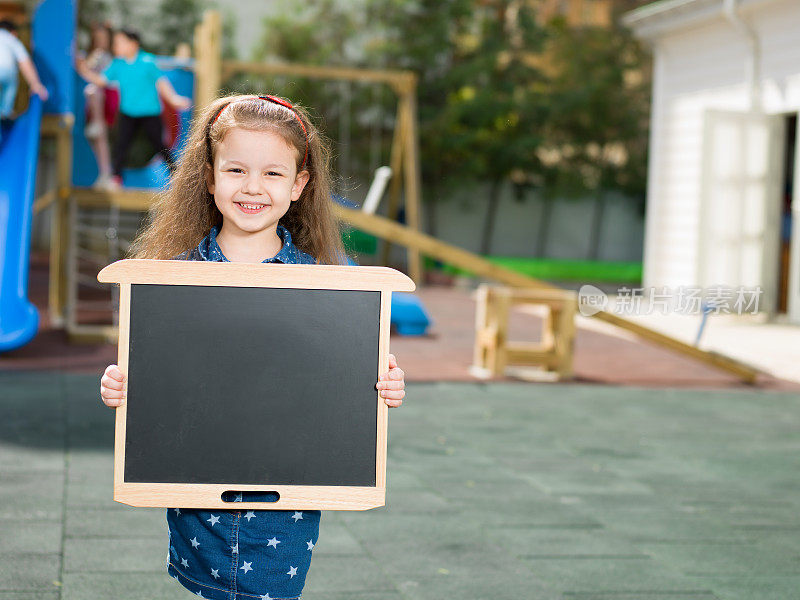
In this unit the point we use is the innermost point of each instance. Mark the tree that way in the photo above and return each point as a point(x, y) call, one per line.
point(480, 99)
point(174, 24)
point(163, 26)
point(352, 114)
point(596, 130)
point(503, 98)
point(90, 12)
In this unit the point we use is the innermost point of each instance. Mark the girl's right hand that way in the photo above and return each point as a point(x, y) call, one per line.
point(112, 387)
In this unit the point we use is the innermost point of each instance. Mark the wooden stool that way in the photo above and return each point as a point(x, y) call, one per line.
point(494, 353)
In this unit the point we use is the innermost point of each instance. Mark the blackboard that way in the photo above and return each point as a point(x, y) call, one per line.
point(254, 378)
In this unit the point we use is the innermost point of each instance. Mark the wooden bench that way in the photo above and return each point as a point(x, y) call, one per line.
point(494, 353)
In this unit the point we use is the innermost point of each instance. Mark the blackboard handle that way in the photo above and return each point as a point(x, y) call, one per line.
point(228, 274)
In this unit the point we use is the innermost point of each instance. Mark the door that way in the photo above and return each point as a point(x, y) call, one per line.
point(742, 170)
point(793, 294)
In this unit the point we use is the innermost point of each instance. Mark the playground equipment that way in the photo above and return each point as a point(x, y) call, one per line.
point(409, 316)
point(434, 248)
point(93, 227)
point(19, 148)
point(493, 350)
point(18, 155)
point(377, 189)
point(101, 231)
point(210, 72)
point(89, 228)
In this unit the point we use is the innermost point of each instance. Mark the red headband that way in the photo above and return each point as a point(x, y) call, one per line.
point(283, 103)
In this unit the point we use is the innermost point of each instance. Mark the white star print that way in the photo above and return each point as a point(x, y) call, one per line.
point(250, 515)
point(273, 542)
point(238, 498)
point(184, 563)
point(199, 593)
point(292, 572)
point(246, 566)
point(195, 543)
point(235, 549)
point(310, 544)
point(213, 520)
point(297, 515)
point(215, 573)
point(265, 597)
point(178, 511)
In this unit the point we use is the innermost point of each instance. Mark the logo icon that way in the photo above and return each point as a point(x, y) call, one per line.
point(591, 300)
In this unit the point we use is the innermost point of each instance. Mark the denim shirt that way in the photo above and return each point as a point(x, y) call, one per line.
point(234, 554)
point(209, 250)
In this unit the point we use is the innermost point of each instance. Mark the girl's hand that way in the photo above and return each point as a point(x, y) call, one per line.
point(392, 384)
point(111, 387)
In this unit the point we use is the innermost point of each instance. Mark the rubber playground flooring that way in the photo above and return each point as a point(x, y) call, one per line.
point(499, 490)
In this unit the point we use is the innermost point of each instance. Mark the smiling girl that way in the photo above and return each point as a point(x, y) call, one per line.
point(253, 186)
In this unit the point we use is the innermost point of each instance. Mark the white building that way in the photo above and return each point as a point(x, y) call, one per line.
point(722, 190)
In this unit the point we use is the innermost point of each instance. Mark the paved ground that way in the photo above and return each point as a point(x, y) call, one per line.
point(497, 491)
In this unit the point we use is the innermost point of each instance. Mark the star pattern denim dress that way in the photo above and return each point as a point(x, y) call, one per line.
point(235, 554)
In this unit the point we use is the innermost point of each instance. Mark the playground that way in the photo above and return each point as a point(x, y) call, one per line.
point(540, 452)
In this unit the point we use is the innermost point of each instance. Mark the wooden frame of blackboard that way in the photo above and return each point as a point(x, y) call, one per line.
point(131, 272)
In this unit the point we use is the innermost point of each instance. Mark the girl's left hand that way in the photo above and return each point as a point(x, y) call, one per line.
point(392, 384)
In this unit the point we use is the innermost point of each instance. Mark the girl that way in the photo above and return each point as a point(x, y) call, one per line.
point(100, 103)
point(252, 186)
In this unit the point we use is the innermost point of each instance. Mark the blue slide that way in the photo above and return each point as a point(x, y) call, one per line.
point(19, 148)
point(52, 31)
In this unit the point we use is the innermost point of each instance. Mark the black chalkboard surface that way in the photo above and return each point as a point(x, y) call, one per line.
point(252, 378)
point(291, 402)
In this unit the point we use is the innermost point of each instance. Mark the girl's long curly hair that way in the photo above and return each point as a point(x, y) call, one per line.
point(185, 213)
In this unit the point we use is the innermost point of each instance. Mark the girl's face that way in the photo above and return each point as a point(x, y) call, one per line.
point(100, 38)
point(254, 180)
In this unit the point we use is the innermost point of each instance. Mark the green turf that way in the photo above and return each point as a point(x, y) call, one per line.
point(565, 270)
point(494, 491)
point(358, 243)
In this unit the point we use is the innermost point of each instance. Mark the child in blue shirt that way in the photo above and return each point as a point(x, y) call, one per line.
point(140, 83)
point(252, 186)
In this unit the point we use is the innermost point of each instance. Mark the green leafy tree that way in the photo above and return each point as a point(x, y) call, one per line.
point(479, 94)
point(353, 114)
point(503, 99)
point(596, 129)
point(174, 24)
point(90, 12)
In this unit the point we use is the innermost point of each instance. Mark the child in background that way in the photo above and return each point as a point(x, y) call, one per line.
point(252, 186)
point(140, 84)
point(98, 99)
point(13, 55)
